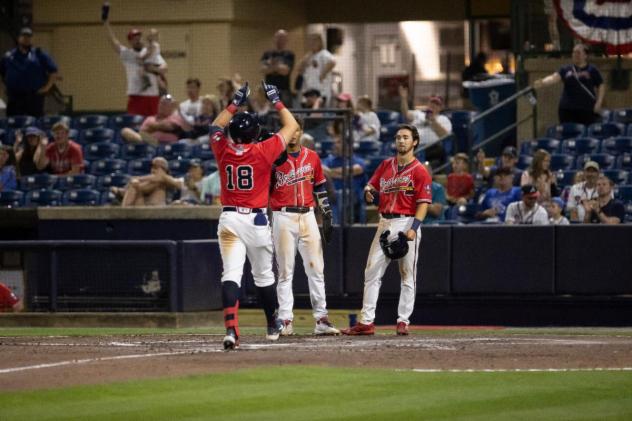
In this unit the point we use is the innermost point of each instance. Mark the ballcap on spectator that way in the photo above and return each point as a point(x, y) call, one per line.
point(529, 190)
point(311, 92)
point(591, 164)
point(160, 162)
point(33, 131)
point(503, 171)
point(558, 201)
point(133, 32)
point(26, 31)
point(510, 151)
point(437, 99)
point(344, 97)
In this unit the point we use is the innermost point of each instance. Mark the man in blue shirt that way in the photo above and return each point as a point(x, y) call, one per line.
point(493, 205)
point(28, 74)
point(437, 207)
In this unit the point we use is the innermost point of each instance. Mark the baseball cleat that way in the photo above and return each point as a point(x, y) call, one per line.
point(360, 329)
point(230, 340)
point(324, 327)
point(288, 328)
point(402, 329)
point(274, 331)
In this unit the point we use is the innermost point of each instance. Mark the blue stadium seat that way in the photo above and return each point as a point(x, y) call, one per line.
point(47, 122)
point(581, 145)
point(629, 132)
point(174, 151)
point(112, 180)
point(566, 131)
point(565, 178)
point(624, 162)
point(617, 145)
point(562, 161)
point(388, 116)
point(137, 150)
point(43, 197)
point(548, 144)
point(77, 181)
point(460, 127)
point(97, 135)
point(624, 193)
point(623, 115)
point(203, 152)
point(526, 147)
point(606, 130)
point(101, 150)
point(209, 166)
point(606, 161)
point(606, 115)
point(325, 147)
point(120, 121)
point(91, 121)
point(3, 136)
point(140, 166)
point(108, 166)
point(617, 176)
point(81, 197)
point(11, 199)
point(20, 121)
point(524, 161)
point(107, 198)
point(367, 148)
point(37, 181)
point(179, 167)
point(372, 163)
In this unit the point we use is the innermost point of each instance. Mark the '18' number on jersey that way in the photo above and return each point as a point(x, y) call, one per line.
point(243, 174)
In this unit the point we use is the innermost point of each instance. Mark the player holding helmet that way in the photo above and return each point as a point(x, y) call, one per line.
point(243, 229)
point(404, 186)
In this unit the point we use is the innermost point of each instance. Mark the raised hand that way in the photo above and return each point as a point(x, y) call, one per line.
point(241, 96)
point(272, 92)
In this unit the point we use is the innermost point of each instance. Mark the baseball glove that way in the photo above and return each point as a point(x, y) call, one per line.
point(397, 248)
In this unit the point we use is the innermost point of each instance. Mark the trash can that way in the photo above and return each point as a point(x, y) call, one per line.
point(486, 94)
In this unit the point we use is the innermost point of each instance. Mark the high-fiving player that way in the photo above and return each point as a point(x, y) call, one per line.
point(243, 229)
point(297, 177)
point(404, 187)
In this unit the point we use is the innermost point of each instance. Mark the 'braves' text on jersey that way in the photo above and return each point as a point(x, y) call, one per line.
point(401, 190)
point(245, 168)
point(294, 180)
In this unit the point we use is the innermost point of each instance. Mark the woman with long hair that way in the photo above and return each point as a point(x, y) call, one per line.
point(539, 174)
point(28, 152)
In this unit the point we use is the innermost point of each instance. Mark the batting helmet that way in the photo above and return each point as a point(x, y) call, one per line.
point(395, 249)
point(244, 127)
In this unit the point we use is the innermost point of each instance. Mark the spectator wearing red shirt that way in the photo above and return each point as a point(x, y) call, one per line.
point(63, 156)
point(165, 127)
point(8, 300)
point(460, 181)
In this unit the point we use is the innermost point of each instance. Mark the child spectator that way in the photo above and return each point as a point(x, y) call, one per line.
point(555, 208)
point(368, 125)
point(8, 179)
point(63, 156)
point(28, 153)
point(460, 181)
point(436, 208)
point(540, 176)
point(151, 60)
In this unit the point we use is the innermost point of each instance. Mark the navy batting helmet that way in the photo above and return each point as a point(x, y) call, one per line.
point(244, 127)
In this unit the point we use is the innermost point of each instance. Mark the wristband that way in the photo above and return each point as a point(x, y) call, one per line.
point(279, 105)
point(415, 225)
point(232, 108)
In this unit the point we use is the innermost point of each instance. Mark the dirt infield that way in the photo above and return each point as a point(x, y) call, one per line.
point(50, 362)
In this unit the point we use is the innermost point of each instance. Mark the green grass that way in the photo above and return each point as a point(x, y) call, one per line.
point(311, 393)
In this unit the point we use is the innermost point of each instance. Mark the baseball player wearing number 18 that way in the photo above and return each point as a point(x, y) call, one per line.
point(404, 188)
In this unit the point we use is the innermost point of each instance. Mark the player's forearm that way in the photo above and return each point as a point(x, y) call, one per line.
point(422, 210)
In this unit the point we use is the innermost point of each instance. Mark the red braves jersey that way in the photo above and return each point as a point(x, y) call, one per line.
point(294, 180)
point(61, 163)
point(245, 169)
point(7, 298)
point(401, 191)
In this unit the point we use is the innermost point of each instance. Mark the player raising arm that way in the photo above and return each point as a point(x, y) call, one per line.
point(403, 184)
point(243, 230)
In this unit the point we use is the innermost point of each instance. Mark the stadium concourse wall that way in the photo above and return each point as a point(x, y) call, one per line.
point(115, 259)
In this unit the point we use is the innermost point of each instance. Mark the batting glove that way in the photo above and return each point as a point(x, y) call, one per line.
point(239, 98)
point(273, 95)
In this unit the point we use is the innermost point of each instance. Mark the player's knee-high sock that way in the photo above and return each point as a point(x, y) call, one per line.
point(268, 298)
point(230, 302)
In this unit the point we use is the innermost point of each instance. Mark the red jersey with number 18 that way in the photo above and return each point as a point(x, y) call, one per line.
point(401, 190)
point(294, 180)
point(245, 168)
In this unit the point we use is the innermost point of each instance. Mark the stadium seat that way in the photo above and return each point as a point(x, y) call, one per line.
point(524, 161)
point(11, 199)
point(43, 197)
point(77, 181)
point(566, 131)
point(606, 130)
point(3, 136)
point(112, 180)
point(581, 145)
point(137, 150)
point(617, 176)
point(108, 166)
point(460, 127)
point(606, 115)
point(367, 148)
point(37, 181)
point(629, 132)
point(91, 121)
point(565, 178)
point(20, 121)
point(81, 197)
point(388, 117)
point(617, 145)
point(179, 167)
point(526, 147)
point(47, 122)
point(209, 166)
point(203, 152)
point(624, 162)
point(562, 162)
point(101, 150)
point(624, 193)
point(548, 144)
point(372, 163)
point(623, 115)
point(325, 147)
point(174, 151)
point(107, 198)
point(120, 121)
point(97, 135)
point(140, 166)
point(606, 161)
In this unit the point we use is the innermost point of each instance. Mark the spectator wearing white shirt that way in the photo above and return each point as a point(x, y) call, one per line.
point(192, 106)
point(368, 125)
point(316, 67)
point(555, 208)
point(527, 211)
point(583, 192)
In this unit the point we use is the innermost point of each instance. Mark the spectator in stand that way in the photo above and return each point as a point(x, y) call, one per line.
point(555, 208)
point(431, 124)
point(367, 127)
point(508, 159)
point(191, 108)
point(28, 74)
point(604, 209)
point(540, 175)
point(583, 192)
point(584, 90)
point(493, 205)
point(200, 129)
point(191, 185)
point(8, 300)
point(566, 191)
point(225, 89)
point(316, 68)
point(152, 60)
point(475, 71)
point(167, 126)
point(260, 105)
point(8, 177)
point(527, 211)
point(439, 203)
point(63, 156)
point(277, 65)
point(28, 153)
point(141, 99)
point(212, 189)
point(149, 190)
point(460, 181)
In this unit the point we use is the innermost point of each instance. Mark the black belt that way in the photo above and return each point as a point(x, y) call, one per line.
point(395, 215)
point(295, 209)
point(241, 210)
